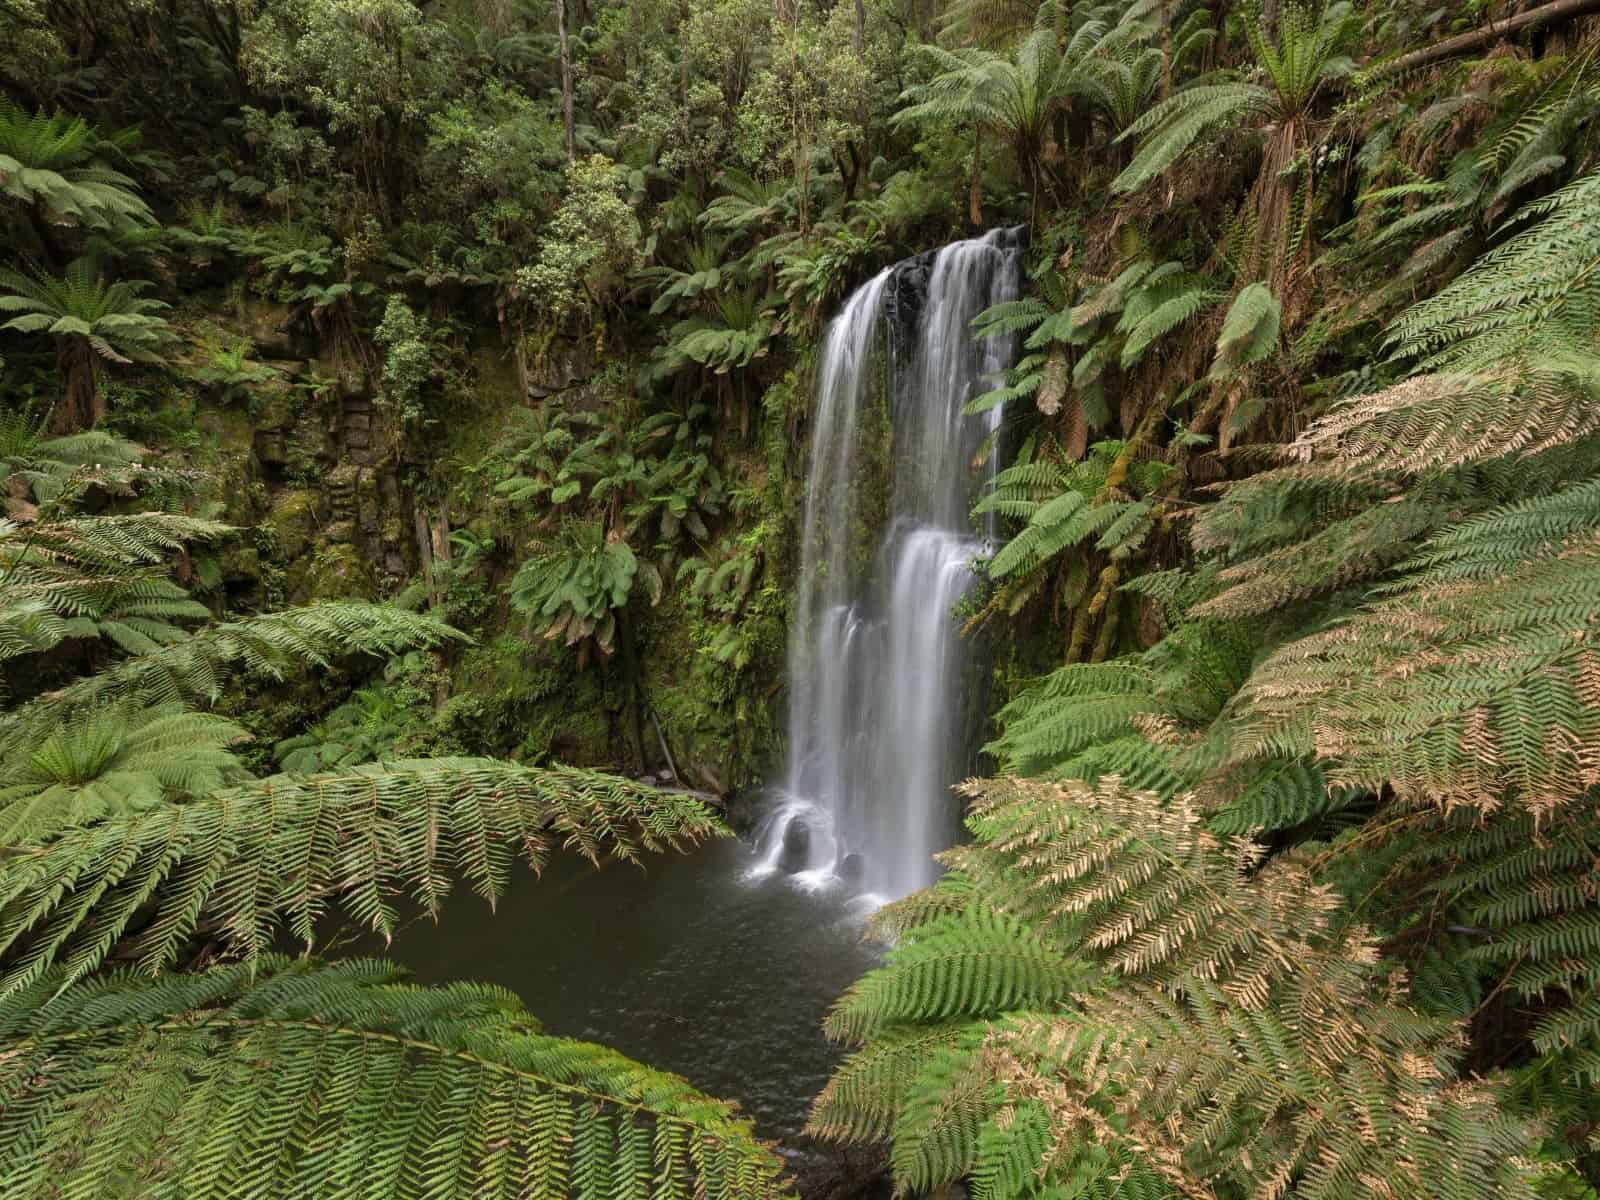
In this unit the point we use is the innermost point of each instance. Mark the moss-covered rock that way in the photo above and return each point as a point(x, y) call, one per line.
point(334, 570)
point(293, 520)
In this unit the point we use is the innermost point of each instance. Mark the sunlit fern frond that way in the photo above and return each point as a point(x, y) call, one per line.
point(299, 1078)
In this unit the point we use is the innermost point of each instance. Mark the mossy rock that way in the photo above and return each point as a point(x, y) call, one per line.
point(293, 520)
point(332, 571)
point(274, 405)
point(230, 426)
point(270, 329)
point(527, 699)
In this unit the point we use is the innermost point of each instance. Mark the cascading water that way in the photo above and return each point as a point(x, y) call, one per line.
point(879, 724)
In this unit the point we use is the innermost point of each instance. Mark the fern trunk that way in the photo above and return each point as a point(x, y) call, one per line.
point(82, 406)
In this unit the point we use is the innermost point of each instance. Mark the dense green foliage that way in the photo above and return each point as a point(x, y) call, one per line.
point(133, 831)
point(506, 312)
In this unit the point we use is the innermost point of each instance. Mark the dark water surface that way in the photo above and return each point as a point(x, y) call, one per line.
point(688, 965)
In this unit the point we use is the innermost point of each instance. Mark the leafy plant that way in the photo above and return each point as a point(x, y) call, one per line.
point(131, 1078)
point(90, 322)
point(58, 167)
point(582, 587)
point(1298, 59)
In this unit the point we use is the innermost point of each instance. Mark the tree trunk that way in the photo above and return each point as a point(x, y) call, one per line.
point(566, 79)
point(82, 405)
point(632, 688)
point(858, 41)
point(975, 188)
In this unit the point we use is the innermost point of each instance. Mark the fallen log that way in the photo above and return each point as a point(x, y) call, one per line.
point(1495, 31)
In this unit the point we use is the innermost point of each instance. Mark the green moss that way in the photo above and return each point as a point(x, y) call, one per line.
point(231, 429)
point(334, 570)
point(293, 520)
point(524, 698)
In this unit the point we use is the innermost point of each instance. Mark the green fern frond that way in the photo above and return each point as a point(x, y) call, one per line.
point(290, 1078)
point(1537, 288)
point(194, 668)
point(276, 854)
point(1249, 331)
point(1278, 794)
point(864, 1097)
point(1171, 128)
point(974, 963)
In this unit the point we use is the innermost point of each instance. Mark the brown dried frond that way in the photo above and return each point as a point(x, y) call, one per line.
point(1277, 1050)
point(1146, 887)
point(1454, 690)
point(1437, 422)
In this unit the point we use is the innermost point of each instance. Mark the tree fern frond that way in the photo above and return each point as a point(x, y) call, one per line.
point(1169, 129)
point(298, 1078)
point(1474, 691)
point(974, 963)
point(1347, 551)
point(1253, 1038)
point(193, 669)
point(277, 853)
point(1537, 287)
point(1279, 794)
point(863, 1098)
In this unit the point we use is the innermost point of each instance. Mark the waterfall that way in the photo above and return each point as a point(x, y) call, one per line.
point(879, 720)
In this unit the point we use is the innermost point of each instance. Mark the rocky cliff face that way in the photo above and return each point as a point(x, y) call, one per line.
point(343, 499)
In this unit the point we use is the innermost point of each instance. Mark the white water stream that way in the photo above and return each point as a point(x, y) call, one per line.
point(880, 724)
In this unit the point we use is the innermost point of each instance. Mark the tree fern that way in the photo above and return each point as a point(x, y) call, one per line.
point(58, 164)
point(1068, 711)
point(46, 466)
point(193, 669)
point(91, 322)
point(1431, 423)
point(1345, 552)
point(115, 761)
point(1253, 1039)
point(940, 1122)
point(1171, 128)
point(98, 576)
point(1527, 885)
point(276, 854)
point(1278, 794)
point(339, 1080)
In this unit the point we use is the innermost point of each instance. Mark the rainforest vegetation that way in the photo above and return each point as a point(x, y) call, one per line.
point(403, 414)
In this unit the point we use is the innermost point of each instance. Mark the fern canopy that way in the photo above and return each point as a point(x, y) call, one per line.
point(281, 853)
point(299, 1078)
